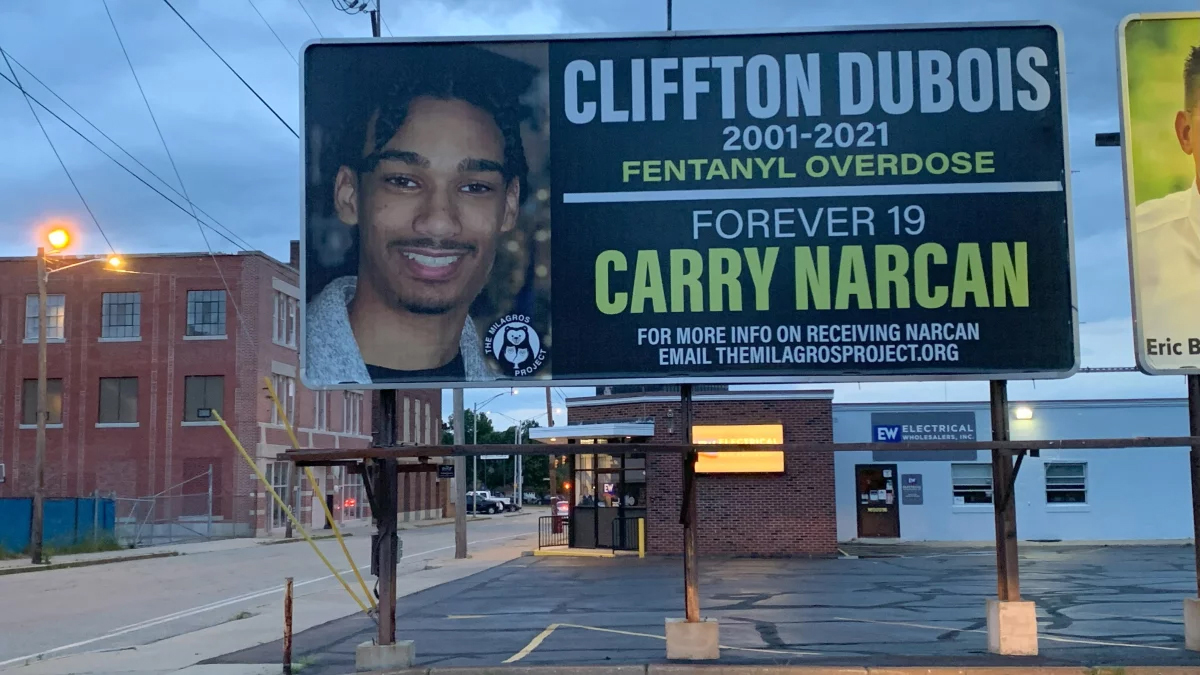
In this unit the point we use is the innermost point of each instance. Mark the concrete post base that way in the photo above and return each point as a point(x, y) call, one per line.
point(369, 656)
point(1012, 628)
point(693, 641)
point(1191, 623)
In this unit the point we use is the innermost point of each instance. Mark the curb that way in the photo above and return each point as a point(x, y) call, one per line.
point(682, 669)
point(275, 542)
point(87, 563)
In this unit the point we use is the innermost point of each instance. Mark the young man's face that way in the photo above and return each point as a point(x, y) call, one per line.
point(430, 212)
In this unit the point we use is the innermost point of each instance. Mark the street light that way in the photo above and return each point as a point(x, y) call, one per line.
point(519, 460)
point(475, 435)
point(58, 238)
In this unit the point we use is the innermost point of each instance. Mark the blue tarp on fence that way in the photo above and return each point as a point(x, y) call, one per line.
point(66, 521)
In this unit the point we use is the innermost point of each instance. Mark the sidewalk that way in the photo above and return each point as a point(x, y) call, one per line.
point(361, 528)
point(181, 653)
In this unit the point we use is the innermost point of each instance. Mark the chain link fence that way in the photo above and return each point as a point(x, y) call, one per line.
point(185, 512)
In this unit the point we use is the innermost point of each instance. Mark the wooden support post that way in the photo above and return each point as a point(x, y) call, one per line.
point(1193, 386)
point(386, 488)
point(287, 628)
point(1008, 587)
point(691, 591)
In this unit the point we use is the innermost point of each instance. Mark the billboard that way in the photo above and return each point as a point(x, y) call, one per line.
point(877, 203)
point(751, 461)
point(1159, 60)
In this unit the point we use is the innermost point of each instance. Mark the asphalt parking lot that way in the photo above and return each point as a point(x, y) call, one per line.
point(910, 606)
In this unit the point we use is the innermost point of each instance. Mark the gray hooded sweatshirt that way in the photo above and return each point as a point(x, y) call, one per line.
point(332, 354)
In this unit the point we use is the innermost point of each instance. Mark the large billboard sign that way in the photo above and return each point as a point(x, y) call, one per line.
point(1160, 132)
point(881, 203)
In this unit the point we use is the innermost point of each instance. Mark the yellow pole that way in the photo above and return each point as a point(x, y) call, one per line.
point(641, 537)
point(312, 481)
point(296, 523)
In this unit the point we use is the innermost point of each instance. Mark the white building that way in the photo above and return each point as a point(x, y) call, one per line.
point(1118, 494)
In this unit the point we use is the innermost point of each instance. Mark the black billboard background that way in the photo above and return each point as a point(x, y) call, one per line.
point(1028, 146)
point(591, 346)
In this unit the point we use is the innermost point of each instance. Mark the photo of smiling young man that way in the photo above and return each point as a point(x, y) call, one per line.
point(1162, 84)
point(435, 183)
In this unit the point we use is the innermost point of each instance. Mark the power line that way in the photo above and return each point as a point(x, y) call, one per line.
point(131, 172)
point(310, 18)
point(174, 167)
point(277, 38)
point(32, 111)
point(240, 243)
point(231, 68)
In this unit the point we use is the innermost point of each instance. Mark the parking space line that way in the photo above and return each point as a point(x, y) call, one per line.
point(1041, 636)
point(541, 637)
point(533, 644)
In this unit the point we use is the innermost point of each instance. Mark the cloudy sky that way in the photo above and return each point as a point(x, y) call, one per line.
point(240, 164)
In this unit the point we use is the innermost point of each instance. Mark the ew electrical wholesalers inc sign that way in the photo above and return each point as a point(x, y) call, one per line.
point(878, 203)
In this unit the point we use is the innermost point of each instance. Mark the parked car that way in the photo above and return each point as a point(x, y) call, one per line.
point(505, 503)
point(480, 504)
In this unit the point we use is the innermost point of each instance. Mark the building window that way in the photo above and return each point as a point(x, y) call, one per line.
point(428, 426)
point(121, 315)
point(277, 476)
point(206, 313)
point(1066, 483)
point(972, 483)
point(287, 320)
point(285, 389)
point(352, 404)
point(321, 410)
point(55, 306)
point(354, 498)
point(203, 394)
point(53, 402)
point(118, 400)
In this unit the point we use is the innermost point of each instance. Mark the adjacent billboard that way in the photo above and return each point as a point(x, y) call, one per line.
point(877, 203)
point(1159, 57)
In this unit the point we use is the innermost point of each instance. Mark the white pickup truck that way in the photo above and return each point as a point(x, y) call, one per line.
point(485, 494)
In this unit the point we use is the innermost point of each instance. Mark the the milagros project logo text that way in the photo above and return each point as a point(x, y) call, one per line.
point(514, 343)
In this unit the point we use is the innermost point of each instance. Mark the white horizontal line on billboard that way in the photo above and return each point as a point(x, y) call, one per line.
point(794, 192)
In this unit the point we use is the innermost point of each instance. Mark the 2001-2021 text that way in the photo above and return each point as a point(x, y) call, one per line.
point(775, 137)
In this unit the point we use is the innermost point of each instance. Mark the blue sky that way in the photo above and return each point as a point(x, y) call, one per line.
point(241, 165)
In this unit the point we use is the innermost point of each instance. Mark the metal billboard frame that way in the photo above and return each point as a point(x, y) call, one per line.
point(713, 379)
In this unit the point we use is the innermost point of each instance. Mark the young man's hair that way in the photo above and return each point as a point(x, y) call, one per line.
point(485, 80)
point(1191, 80)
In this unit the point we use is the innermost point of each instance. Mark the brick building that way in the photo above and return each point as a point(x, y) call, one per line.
point(136, 360)
point(779, 513)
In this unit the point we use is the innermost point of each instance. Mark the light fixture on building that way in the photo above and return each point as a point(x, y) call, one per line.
point(1023, 412)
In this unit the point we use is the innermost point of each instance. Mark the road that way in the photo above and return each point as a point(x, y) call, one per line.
point(135, 603)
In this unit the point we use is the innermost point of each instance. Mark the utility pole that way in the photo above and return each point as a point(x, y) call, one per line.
point(39, 460)
point(375, 19)
point(460, 481)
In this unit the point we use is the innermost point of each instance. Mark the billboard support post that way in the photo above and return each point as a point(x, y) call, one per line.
point(690, 638)
point(1011, 623)
point(691, 594)
point(1191, 606)
point(460, 481)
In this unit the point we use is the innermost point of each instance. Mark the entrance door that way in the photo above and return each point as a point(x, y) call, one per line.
point(878, 506)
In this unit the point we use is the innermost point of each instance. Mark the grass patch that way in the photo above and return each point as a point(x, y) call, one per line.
point(106, 542)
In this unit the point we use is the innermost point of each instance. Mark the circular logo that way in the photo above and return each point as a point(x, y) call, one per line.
point(514, 343)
